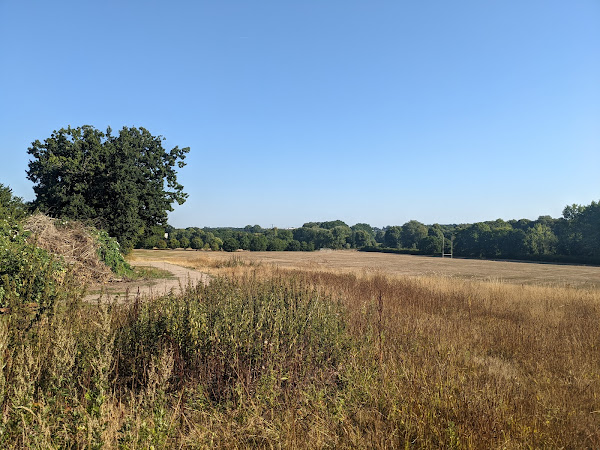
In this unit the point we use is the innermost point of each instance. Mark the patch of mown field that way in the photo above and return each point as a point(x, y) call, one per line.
point(286, 357)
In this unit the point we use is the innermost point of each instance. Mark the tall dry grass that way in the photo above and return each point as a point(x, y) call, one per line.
point(479, 364)
point(265, 357)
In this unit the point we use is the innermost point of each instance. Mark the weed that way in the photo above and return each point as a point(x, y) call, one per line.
point(110, 252)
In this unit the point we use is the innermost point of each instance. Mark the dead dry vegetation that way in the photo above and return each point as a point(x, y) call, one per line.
point(71, 241)
point(468, 362)
point(279, 357)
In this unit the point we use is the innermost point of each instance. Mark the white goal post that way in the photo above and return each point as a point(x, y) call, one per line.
point(444, 246)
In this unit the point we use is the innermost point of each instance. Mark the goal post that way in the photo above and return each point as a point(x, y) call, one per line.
point(444, 254)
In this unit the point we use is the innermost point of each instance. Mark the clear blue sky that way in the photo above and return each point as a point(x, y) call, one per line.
point(296, 111)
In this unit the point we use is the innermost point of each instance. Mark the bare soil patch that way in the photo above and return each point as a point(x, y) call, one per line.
point(390, 264)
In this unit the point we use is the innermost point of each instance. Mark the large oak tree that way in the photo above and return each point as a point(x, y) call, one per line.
point(124, 183)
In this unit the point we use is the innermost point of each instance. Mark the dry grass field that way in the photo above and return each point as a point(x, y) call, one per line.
point(350, 261)
point(456, 353)
point(315, 350)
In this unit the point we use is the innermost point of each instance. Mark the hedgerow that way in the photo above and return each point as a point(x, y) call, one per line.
point(29, 276)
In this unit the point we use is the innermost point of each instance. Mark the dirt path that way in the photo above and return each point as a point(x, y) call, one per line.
point(181, 277)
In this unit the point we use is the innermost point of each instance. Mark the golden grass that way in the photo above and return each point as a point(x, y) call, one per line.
point(456, 360)
point(351, 261)
point(422, 361)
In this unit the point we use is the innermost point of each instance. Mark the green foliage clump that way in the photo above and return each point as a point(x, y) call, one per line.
point(197, 243)
point(29, 276)
point(238, 338)
point(124, 182)
point(109, 251)
point(230, 245)
point(11, 206)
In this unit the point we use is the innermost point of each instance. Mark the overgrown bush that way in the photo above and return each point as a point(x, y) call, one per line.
point(29, 276)
point(109, 251)
point(237, 338)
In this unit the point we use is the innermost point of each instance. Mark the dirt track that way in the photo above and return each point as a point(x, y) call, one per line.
point(181, 277)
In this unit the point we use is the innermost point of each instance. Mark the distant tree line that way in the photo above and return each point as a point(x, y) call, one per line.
point(311, 236)
point(574, 237)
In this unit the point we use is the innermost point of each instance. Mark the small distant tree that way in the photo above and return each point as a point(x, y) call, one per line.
point(582, 229)
point(513, 243)
point(253, 229)
point(540, 240)
point(305, 234)
point(161, 244)
point(431, 245)
point(308, 246)
point(311, 225)
point(323, 238)
point(363, 239)
point(286, 235)
point(184, 242)
point(230, 244)
point(196, 243)
point(364, 227)
point(340, 234)
point(244, 240)
point(276, 245)
point(174, 243)
point(150, 242)
point(412, 233)
point(258, 243)
point(216, 244)
point(471, 240)
point(392, 237)
point(208, 237)
point(332, 224)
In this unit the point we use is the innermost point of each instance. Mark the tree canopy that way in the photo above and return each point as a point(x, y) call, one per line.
point(124, 183)
point(10, 206)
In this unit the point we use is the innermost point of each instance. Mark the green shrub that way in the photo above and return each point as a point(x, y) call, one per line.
point(29, 276)
point(109, 251)
point(11, 206)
